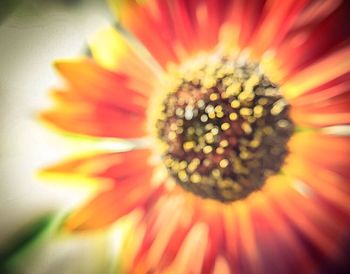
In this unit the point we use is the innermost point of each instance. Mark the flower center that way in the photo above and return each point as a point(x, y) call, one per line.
point(224, 127)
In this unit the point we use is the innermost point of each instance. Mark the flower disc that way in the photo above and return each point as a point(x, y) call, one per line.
point(224, 126)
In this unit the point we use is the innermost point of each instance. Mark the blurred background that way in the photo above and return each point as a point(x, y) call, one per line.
point(33, 33)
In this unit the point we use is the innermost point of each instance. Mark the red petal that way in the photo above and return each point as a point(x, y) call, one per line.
point(277, 20)
point(313, 41)
point(182, 27)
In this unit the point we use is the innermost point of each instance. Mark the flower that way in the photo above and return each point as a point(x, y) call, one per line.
point(237, 112)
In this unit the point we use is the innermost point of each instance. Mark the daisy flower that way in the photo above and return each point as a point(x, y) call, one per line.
point(237, 113)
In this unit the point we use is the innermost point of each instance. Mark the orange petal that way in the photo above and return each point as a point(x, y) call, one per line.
point(333, 189)
point(126, 195)
point(144, 20)
point(321, 163)
point(222, 266)
point(328, 152)
point(321, 116)
point(98, 84)
point(190, 257)
point(79, 115)
point(109, 165)
point(164, 234)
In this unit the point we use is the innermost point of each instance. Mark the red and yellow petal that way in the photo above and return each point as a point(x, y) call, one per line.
point(325, 105)
point(329, 152)
point(77, 114)
point(183, 27)
point(311, 41)
point(320, 162)
point(99, 102)
point(115, 165)
point(318, 73)
point(274, 229)
point(276, 21)
point(110, 205)
point(111, 50)
point(95, 83)
point(143, 19)
point(318, 165)
point(129, 172)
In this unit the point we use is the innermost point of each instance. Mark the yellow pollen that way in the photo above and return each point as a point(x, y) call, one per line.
point(224, 163)
point(225, 126)
point(188, 145)
point(233, 116)
point(195, 178)
point(213, 96)
point(207, 149)
point(235, 104)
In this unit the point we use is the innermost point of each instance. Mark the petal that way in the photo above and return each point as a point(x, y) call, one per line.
point(126, 195)
point(314, 222)
point(277, 20)
point(190, 257)
point(245, 16)
point(327, 114)
point(164, 234)
point(111, 50)
point(182, 27)
point(318, 73)
point(116, 165)
point(169, 243)
point(215, 239)
point(337, 89)
point(328, 176)
point(332, 189)
point(144, 20)
point(280, 248)
point(96, 83)
point(257, 237)
point(324, 105)
point(222, 266)
point(328, 152)
point(315, 12)
point(250, 261)
point(77, 114)
point(316, 39)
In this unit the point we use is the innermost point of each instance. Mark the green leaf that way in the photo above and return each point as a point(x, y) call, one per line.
point(31, 236)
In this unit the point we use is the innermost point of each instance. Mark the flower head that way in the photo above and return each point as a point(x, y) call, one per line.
point(238, 113)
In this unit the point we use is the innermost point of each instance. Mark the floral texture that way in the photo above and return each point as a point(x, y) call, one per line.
point(237, 113)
